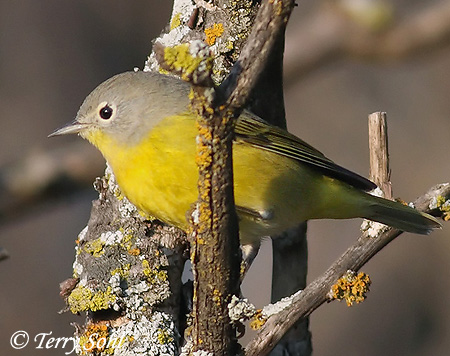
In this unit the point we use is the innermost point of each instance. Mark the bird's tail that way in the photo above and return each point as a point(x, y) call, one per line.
point(399, 216)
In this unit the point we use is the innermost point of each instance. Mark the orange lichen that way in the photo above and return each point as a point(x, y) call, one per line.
point(351, 287)
point(93, 340)
point(212, 33)
point(258, 320)
point(134, 251)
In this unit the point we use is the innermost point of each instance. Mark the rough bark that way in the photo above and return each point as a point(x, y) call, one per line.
point(215, 253)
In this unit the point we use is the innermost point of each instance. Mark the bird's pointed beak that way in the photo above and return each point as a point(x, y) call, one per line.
point(72, 128)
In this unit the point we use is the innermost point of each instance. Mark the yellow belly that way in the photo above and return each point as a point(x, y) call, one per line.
point(159, 176)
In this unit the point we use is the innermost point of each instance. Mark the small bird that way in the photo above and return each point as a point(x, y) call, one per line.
point(142, 124)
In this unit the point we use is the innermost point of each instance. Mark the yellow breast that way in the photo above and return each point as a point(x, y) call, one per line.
point(158, 174)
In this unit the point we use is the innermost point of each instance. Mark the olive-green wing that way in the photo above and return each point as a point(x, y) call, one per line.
point(254, 131)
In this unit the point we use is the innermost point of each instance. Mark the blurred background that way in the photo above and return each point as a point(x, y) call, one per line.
point(338, 70)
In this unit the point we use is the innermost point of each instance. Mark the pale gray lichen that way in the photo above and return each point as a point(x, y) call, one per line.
point(77, 268)
point(114, 282)
point(373, 228)
point(111, 238)
point(82, 234)
point(277, 307)
point(445, 206)
point(182, 9)
point(155, 336)
point(126, 208)
point(240, 309)
point(225, 48)
point(433, 203)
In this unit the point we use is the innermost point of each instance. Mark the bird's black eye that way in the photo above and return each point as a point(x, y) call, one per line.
point(106, 112)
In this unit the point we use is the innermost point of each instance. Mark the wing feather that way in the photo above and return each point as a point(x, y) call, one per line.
point(252, 130)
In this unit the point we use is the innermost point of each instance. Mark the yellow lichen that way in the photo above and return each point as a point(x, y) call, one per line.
point(203, 160)
point(204, 217)
point(153, 275)
point(118, 194)
point(179, 59)
point(217, 297)
point(127, 241)
point(278, 7)
point(200, 241)
point(230, 45)
point(191, 95)
point(176, 21)
point(164, 337)
point(212, 33)
point(351, 287)
point(123, 271)
point(84, 299)
point(443, 205)
point(440, 200)
point(163, 71)
point(95, 247)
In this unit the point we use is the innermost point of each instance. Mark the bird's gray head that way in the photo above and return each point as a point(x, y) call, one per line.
point(126, 106)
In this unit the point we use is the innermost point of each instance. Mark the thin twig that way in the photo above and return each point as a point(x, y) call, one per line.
point(379, 153)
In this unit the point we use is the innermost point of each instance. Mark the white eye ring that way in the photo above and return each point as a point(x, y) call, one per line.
point(106, 111)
